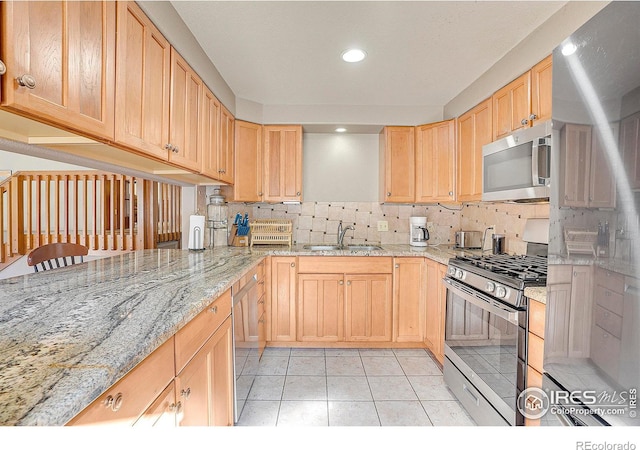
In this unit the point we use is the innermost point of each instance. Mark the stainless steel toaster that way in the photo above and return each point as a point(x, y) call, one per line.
point(468, 239)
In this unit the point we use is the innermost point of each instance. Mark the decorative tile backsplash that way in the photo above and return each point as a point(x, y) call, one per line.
point(317, 222)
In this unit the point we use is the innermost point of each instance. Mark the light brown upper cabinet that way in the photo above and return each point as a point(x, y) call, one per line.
point(435, 162)
point(585, 176)
point(397, 164)
point(185, 139)
point(524, 101)
point(511, 106)
point(210, 133)
point(225, 151)
point(474, 131)
point(541, 78)
point(142, 83)
point(248, 165)
point(630, 148)
point(60, 59)
point(283, 163)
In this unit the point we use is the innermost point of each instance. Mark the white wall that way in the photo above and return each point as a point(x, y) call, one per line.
point(525, 55)
point(340, 167)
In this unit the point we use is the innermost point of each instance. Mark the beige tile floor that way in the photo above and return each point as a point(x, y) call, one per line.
point(346, 387)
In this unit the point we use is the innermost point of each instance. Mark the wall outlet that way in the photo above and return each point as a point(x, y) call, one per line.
point(383, 225)
point(431, 227)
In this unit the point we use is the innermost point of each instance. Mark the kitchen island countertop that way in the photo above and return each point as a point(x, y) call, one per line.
point(69, 334)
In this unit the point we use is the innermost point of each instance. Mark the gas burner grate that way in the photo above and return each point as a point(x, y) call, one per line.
point(527, 268)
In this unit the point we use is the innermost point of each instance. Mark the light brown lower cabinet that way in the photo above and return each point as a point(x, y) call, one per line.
point(535, 352)
point(162, 412)
point(409, 280)
point(205, 385)
point(436, 300)
point(368, 308)
point(320, 307)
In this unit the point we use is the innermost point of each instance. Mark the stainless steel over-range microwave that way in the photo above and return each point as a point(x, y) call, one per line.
point(517, 167)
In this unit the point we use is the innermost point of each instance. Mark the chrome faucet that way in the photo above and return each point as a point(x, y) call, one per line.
point(341, 232)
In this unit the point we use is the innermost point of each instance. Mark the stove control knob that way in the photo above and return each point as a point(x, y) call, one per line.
point(490, 287)
point(451, 271)
point(459, 274)
point(501, 291)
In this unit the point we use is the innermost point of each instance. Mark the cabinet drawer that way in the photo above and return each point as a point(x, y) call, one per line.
point(608, 321)
point(130, 397)
point(536, 352)
point(605, 351)
point(610, 280)
point(536, 318)
point(608, 299)
point(192, 336)
point(344, 264)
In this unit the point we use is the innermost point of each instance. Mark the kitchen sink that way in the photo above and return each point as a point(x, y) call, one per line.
point(351, 248)
point(321, 247)
point(362, 248)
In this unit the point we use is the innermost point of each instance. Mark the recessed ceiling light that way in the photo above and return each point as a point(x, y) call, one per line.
point(340, 130)
point(353, 55)
point(569, 49)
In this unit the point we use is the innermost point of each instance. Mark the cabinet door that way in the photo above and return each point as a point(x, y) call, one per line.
point(368, 311)
point(142, 83)
point(225, 151)
point(283, 298)
point(602, 184)
point(210, 134)
point(511, 106)
point(541, 80)
point(435, 308)
point(320, 307)
point(630, 148)
point(474, 131)
point(247, 183)
point(409, 299)
point(185, 114)
point(283, 163)
point(205, 385)
point(580, 312)
point(67, 49)
point(221, 376)
point(162, 413)
point(575, 165)
point(435, 162)
point(397, 164)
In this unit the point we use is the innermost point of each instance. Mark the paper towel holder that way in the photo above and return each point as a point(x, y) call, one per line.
point(196, 233)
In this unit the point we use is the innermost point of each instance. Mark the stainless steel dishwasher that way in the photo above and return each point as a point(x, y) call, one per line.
point(245, 320)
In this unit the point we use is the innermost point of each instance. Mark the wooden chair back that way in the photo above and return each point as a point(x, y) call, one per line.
point(52, 256)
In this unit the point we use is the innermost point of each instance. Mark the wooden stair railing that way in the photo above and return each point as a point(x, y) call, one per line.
point(102, 211)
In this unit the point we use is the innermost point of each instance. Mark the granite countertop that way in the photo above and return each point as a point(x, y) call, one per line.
point(538, 293)
point(69, 334)
point(615, 265)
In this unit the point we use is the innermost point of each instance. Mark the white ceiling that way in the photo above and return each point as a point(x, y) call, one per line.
point(420, 53)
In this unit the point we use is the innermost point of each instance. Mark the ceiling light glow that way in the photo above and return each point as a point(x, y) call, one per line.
point(340, 130)
point(569, 48)
point(353, 55)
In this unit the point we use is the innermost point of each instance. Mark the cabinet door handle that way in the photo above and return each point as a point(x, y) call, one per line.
point(524, 121)
point(114, 403)
point(175, 407)
point(348, 283)
point(450, 193)
point(340, 282)
point(186, 393)
point(388, 194)
point(3, 68)
point(533, 117)
point(260, 194)
point(397, 266)
point(27, 81)
point(298, 193)
point(214, 309)
point(168, 147)
point(293, 264)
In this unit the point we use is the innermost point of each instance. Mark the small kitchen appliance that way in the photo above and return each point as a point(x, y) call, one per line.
point(418, 233)
point(497, 245)
point(217, 213)
point(469, 239)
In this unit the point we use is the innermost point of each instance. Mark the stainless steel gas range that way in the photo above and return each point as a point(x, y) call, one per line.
point(485, 332)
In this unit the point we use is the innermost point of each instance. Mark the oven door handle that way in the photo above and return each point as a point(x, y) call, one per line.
point(511, 316)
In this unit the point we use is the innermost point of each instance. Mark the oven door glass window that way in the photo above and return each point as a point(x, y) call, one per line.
point(486, 342)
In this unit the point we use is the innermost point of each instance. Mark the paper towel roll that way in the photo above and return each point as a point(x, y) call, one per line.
point(196, 232)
